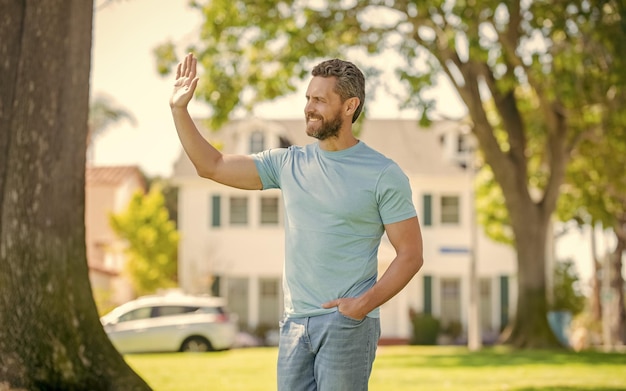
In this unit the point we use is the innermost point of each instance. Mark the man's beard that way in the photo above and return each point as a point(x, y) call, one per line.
point(327, 129)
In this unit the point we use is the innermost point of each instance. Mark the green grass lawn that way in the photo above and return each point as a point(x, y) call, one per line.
point(398, 368)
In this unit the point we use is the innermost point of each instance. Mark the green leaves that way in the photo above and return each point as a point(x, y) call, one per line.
point(566, 290)
point(152, 241)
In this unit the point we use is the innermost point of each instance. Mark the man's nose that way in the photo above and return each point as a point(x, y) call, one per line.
point(308, 107)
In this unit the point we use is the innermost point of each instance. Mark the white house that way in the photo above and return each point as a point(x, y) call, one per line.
point(232, 240)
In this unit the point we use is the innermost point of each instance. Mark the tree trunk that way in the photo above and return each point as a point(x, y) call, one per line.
point(596, 305)
point(529, 218)
point(50, 334)
point(530, 328)
point(618, 320)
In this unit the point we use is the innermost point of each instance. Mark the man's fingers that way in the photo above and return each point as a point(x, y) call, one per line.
point(192, 68)
point(185, 66)
point(178, 69)
point(331, 304)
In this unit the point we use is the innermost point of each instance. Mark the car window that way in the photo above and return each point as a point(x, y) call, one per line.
point(170, 310)
point(136, 314)
point(211, 310)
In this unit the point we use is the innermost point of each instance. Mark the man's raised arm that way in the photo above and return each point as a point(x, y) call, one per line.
point(232, 170)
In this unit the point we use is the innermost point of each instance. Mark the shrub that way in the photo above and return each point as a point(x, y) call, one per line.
point(567, 292)
point(425, 329)
point(453, 329)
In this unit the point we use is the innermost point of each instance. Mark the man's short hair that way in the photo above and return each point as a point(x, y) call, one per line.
point(350, 80)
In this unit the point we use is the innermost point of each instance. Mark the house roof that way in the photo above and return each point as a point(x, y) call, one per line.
point(417, 150)
point(113, 175)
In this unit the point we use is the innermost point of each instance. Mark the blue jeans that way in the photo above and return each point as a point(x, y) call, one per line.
point(328, 352)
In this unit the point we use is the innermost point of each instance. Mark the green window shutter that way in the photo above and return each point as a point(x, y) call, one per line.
point(428, 294)
point(216, 286)
point(216, 209)
point(427, 213)
point(504, 301)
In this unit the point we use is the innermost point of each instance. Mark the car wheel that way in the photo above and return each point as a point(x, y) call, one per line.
point(196, 344)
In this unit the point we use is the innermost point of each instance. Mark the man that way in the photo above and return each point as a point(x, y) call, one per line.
point(339, 196)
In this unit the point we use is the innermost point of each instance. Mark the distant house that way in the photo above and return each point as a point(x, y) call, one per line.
point(108, 190)
point(232, 240)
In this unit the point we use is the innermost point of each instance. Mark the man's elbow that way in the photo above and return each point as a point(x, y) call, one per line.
point(204, 173)
point(206, 169)
point(415, 262)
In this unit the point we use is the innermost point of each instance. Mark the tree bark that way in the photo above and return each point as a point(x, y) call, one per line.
point(618, 326)
point(50, 337)
point(596, 306)
point(530, 328)
point(529, 218)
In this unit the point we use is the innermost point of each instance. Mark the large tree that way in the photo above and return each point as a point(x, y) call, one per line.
point(491, 51)
point(50, 333)
point(595, 191)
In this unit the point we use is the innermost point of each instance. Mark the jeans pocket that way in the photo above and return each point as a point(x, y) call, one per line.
point(346, 317)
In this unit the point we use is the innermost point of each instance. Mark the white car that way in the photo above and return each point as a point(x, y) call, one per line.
point(171, 323)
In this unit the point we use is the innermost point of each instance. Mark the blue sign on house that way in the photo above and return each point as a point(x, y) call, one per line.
point(454, 250)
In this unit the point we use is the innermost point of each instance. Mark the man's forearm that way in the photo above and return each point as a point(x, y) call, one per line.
point(395, 278)
point(202, 154)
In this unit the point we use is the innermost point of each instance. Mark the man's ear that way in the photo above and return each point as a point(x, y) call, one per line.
point(351, 105)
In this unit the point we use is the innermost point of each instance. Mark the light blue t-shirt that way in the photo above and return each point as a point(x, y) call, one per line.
point(335, 206)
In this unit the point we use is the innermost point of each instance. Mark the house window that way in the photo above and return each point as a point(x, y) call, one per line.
point(257, 142)
point(269, 210)
point(450, 301)
point(461, 143)
point(237, 295)
point(216, 211)
point(449, 209)
point(427, 215)
point(269, 302)
point(238, 210)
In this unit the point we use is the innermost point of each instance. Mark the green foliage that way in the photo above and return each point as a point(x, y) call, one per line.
point(425, 329)
point(566, 291)
point(165, 55)
point(170, 195)
point(152, 241)
point(251, 52)
point(491, 211)
point(595, 188)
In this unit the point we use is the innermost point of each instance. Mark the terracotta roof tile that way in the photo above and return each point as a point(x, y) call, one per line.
point(112, 175)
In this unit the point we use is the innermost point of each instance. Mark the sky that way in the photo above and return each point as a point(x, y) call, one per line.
point(123, 68)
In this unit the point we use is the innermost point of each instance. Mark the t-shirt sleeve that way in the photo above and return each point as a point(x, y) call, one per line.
point(268, 164)
point(394, 195)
